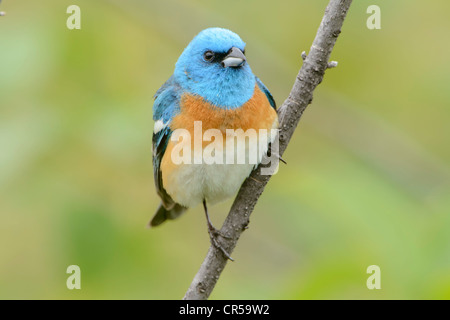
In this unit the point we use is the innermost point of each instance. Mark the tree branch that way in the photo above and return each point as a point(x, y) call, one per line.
point(289, 114)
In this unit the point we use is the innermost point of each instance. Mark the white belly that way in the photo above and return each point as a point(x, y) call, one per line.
point(212, 182)
point(189, 184)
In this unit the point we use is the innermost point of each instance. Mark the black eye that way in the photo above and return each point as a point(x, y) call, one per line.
point(208, 56)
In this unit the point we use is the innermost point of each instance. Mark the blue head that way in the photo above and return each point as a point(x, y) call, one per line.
point(214, 67)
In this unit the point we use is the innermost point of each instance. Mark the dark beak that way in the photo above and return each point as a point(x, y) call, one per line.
point(235, 58)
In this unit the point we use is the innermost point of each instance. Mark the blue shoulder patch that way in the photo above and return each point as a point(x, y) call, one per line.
point(167, 100)
point(266, 92)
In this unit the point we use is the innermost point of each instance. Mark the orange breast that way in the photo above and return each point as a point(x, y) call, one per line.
point(257, 113)
point(185, 183)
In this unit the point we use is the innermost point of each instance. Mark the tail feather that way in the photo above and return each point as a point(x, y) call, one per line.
point(162, 214)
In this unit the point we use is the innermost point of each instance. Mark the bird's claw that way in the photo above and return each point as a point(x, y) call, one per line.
point(213, 235)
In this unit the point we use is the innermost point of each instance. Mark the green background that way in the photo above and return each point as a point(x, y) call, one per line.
point(367, 180)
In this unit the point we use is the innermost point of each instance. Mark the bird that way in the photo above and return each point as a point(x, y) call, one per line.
point(212, 84)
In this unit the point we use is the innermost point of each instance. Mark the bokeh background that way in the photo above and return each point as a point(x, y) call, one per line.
point(367, 180)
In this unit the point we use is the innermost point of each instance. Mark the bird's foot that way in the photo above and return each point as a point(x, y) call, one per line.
point(213, 237)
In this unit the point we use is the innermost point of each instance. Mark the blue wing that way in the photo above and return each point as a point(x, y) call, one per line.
point(165, 107)
point(167, 100)
point(266, 92)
